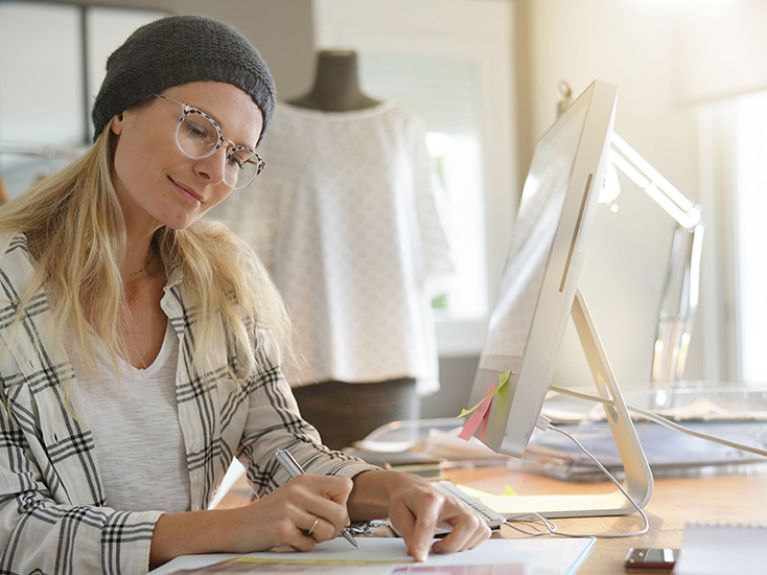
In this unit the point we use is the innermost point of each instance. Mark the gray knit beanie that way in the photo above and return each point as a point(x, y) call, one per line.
point(176, 50)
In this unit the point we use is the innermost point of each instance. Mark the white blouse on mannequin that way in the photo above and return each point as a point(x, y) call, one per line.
point(347, 221)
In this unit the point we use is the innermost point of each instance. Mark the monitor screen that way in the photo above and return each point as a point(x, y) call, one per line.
point(540, 277)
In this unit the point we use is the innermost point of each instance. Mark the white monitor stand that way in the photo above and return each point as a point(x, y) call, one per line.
point(638, 481)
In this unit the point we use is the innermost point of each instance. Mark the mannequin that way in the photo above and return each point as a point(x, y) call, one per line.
point(363, 407)
point(336, 85)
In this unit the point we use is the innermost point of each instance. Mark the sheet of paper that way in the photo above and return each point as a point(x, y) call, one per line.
point(722, 550)
point(449, 446)
point(500, 569)
point(379, 556)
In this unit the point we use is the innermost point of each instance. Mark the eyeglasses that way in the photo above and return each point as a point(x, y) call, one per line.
point(198, 136)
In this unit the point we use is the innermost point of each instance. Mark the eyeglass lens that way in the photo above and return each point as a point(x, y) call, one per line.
point(197, 137)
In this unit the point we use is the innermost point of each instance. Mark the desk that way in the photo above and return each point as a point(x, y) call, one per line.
point(675, 501)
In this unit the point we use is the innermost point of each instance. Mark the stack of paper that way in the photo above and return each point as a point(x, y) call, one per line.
point(668, 452)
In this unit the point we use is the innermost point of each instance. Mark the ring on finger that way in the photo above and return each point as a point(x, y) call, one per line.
point(309, 532)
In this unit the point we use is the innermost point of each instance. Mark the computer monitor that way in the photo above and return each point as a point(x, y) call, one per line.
point(538, 294)
point(540, 278)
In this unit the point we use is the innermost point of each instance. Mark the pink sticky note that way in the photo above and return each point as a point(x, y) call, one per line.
point(478, 416)
point(485, 420)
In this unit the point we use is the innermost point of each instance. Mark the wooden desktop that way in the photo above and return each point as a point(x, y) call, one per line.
point(738, 497)
point(717, 498)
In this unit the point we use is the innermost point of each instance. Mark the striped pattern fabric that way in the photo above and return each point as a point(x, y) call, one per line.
point(54, 517)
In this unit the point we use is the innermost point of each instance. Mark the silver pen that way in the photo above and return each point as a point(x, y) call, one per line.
point(286, 459)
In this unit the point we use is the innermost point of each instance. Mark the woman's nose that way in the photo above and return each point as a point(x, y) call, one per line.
point(212, 168)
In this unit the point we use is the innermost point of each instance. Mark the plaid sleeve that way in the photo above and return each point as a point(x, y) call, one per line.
point(39, 535)
point(273, 422)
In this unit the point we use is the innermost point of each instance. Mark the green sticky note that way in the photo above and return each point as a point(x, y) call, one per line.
point(503, 379)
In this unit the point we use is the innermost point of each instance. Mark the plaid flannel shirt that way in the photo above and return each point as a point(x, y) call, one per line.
point(54, 517)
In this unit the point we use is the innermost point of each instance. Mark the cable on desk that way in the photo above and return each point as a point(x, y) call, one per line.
point(551, 528)
point(544, 424)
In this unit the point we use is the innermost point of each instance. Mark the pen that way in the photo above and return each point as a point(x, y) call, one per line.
point(292, 466)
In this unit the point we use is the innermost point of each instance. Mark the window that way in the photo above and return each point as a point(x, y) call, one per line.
point(439, 90)
point(46, 92)
point(749, 212)
point(733, 184)
point(38, 108)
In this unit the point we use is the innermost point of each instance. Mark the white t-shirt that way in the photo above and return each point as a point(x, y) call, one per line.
point(347, 221)
point(138, 442)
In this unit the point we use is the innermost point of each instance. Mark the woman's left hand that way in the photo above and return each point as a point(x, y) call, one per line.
point(416, 508)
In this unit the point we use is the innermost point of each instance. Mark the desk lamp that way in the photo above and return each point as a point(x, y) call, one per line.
point(679, 298)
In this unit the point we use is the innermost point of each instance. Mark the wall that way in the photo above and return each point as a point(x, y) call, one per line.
point(456, 377)
point(721, 51)
point(632, 44)
point(282, 31)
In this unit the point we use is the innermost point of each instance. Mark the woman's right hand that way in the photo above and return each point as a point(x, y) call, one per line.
point(285, 517)
point(306, 510)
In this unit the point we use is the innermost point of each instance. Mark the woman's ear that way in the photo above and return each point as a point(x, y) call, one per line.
point(116, 124)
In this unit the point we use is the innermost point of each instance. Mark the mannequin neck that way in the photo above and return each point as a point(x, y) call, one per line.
point(336, 84)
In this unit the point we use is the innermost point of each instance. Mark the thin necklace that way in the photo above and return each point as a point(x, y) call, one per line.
point(136, 274)
point(143, 270)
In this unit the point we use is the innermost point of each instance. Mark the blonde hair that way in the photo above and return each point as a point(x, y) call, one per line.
point(75, 231)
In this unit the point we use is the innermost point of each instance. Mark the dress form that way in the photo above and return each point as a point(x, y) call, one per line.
point(336, 85)
point(363, 407)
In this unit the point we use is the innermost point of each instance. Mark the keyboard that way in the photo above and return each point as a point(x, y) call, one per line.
point(493, 519)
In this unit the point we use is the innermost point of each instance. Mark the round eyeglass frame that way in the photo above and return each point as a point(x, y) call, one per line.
point(186, 111)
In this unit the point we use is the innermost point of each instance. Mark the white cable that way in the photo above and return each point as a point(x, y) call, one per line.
point(661, 420)
point(680, 428)
point(581, 395)
point(645, 521)
point(551, 528)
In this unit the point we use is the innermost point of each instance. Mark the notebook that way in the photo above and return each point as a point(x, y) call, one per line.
point(723, 549)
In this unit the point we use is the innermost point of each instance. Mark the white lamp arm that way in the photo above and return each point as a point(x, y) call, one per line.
point(683, 210)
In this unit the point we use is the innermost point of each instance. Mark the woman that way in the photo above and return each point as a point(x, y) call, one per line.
point(140, 345)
